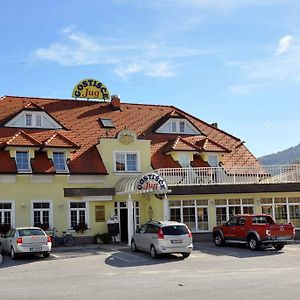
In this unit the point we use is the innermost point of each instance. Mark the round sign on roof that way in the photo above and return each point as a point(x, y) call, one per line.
point(90, 89)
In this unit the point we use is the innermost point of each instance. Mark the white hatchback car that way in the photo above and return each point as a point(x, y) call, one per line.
point(162, 237)
point(26, 240)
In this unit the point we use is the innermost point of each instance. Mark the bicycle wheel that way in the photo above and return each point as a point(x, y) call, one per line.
point(68, 241)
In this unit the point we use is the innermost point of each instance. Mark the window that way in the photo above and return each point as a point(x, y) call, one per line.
point(184, 160)
point(41, 215)
point(283, 210)
point(28, 120)
point(22, 161)
point(38, 121)
point(213, 160)
point(78, 213)
point(59, 161)
point(6, 213)
point(99, 213)
point(194, 213)
point(127, 162)
point(107, 123)
point(226, 208)
point(181, 127)
point(173, 127)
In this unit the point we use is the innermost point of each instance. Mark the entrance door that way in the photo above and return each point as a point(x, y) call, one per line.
point(124, 225)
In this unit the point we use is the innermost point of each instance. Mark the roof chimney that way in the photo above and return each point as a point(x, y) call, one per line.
point(214, 125)
point(115, 102)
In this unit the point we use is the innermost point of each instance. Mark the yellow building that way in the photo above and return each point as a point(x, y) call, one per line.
point(68, 162)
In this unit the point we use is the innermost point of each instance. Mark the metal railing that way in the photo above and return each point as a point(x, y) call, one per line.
point(232, 175)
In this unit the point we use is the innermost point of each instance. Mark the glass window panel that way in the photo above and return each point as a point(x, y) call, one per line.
point(234, 210)
point(188, 203)
point(189, 217)
point(175, 214)
point(267, 209)
point(22, 160)
point(203, 202)
point(36, 218)
point(181, 126)
point(59, 161)
point(221, 215)
point(281, 213)
point(131, 162)
point(7, 217)
point(247, 201)
point(73, 218)
point(45, 214)
point(266, 201)
point(295, 215)
point(174, 203)
point(221, 202)
point(202, 218)
point(77, 204)
point(248, 210)
point(173, 127)
point(28, 120)
point(81, 216)
point(294, 200)
point(120, 162)
point(38, 121)
point(234, 201)
point(279, 200)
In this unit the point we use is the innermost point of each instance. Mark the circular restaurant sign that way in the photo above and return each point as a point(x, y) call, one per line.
point(90, 89)
point(152, 182)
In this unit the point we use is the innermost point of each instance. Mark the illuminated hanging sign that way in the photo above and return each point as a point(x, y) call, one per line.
point(152, 182)
point(90, 89)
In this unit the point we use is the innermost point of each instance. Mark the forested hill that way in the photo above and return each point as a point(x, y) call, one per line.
point(285, 157)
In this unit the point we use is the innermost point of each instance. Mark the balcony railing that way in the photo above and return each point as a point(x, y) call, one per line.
point(232, 175)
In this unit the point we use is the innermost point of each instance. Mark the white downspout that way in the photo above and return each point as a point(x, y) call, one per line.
point(130, 218)
point(166, 210)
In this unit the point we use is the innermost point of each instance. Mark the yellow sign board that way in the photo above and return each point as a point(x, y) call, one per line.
point(90, 89)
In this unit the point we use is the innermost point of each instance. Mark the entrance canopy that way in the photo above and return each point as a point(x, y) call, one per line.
point(148, 183)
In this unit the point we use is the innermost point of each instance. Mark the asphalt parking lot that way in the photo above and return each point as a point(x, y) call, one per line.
point(209, 273)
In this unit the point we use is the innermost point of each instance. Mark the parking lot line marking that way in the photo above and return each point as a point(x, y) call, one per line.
point(120, 258)
point(54, 255)
point(136, 256)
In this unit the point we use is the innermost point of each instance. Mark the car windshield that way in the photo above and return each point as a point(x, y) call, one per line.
point(28, 232)
point(175, 230)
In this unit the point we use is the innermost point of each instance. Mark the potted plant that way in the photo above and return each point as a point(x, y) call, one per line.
point(105, 237)
point(81, 227)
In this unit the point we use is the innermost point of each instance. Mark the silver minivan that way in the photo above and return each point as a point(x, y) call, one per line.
point(162, 237)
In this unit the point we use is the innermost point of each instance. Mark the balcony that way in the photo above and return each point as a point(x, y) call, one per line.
point(233, 175)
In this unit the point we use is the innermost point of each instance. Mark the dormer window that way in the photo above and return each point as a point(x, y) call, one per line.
point(33, 120)
point(59, 161)
point(178, 125)
point(22, 161)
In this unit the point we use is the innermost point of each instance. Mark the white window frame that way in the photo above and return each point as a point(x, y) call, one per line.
point(184, 159)
point(195, 206)
point(87, 216)
point(138, 163)
point(12, 211)
point(50, 209)
point(33, 116)
point(29, 170)
point(65, 170)
point(241, 205)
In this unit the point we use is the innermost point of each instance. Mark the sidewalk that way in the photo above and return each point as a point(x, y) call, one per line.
point(104, 247)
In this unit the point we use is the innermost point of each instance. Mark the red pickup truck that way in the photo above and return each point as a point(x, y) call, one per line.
point(254, 231)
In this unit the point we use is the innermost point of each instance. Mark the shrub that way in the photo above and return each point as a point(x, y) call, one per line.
point(80, 227)
point(105, 237)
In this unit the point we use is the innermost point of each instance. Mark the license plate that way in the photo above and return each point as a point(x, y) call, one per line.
point(176, 242)
point(36, 249)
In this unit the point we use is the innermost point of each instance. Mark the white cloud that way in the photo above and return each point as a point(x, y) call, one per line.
point(125, 58)
point(284, 44)
point(244, 89)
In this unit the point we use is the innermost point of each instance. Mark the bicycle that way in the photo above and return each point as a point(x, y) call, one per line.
point(67, 239)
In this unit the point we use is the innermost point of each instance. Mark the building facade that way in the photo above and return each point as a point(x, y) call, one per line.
point(65, 162)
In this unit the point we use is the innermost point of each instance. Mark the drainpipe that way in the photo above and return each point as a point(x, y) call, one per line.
point(130, 218)
point(166, 208)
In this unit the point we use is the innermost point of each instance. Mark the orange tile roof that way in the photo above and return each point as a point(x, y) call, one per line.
point(57, 140)
point(22, 139)
point(82, 128)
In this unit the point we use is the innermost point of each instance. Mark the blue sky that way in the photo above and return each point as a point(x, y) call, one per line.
point(234, 62)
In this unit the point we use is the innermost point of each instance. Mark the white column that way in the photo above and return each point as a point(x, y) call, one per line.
point(130, 218)
point(166, 208)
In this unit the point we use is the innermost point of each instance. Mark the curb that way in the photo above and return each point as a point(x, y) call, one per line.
point(1, 259)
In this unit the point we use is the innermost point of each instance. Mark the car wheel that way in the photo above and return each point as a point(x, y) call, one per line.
point(218, 239)
point(278, 246)
point(185, 254)
point(13, 253)
point(253, 243)
point(46, 255)
point(133, 246)
point(153, 253)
